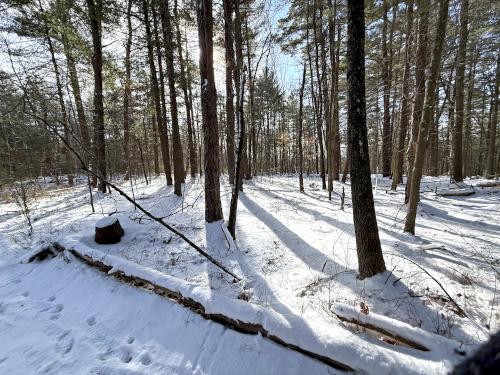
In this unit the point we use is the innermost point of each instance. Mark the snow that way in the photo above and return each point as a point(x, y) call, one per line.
point(296, 253)
point(106, 222)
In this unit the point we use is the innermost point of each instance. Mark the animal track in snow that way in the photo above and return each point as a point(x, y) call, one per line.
point(26, 293)
point(145, 359)
point(125, 355)
point(51, 298)
point(65, 343)
point(130, 340)
point(91, 321)
point(57, 308)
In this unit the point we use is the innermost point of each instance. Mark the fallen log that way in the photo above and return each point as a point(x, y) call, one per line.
point(200, 308)
point(345, 314)
point(455, 192)
point(489, 184)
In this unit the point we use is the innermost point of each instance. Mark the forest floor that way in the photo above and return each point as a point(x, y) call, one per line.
point(297, 255)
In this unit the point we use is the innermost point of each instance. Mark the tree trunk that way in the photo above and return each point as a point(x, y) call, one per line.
point(405, 99)
point(95, 17)
point(459, 97)
point(231, 224)
point(370, 259)
point(420, 67)
point(230, 65)
point(300, 123)
point(492, 128)
point(158, 120)
point(427, 115)
point(168, 40)
point(187, 101)
point(386, 127)
point(213, 208)
point(127, 92)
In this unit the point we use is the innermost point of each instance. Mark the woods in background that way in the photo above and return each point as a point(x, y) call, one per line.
point(143, 87)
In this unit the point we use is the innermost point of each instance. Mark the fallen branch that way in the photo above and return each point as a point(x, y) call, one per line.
point(460, 311)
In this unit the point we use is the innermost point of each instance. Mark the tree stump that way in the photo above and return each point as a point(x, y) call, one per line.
point(108, 231)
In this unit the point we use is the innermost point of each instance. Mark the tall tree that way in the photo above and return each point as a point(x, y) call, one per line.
point(427, 117)
point(405, 99)
point(370, 259)
point(300, 130)
point(230, 65)
point(459, 96)
point(157, 119)
point(127, 91)
point(492, 126)
point(187, 100)
point(386, 79)
point(95, 17)
point(213, 207)
point(168, 40)
point(420, 67)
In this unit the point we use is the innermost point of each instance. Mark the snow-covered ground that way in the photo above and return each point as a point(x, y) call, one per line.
point(297, 255)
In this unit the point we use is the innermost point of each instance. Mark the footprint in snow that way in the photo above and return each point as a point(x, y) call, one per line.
point(91, 321)
point(57, 308)
point(51, 298)
point(130, 340)
point(145, 359)
point(65, 343)
point(26, 293)
point(54, 317)
point(125, 356)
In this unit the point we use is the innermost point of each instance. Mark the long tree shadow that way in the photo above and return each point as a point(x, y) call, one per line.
point(311, 256)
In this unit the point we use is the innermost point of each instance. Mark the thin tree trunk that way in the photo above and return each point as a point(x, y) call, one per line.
point(420, 67)
point(158, 120)
point(427, 115)
point(187, 101)
point(459, 98)
point(386, 128)
point(168, 40)
point(231, 224)
point(300, 123)
point(370, 259)
point(95, 17)
point(492, 128)
point(405, 99)
point(127, 91)
point(230, 65)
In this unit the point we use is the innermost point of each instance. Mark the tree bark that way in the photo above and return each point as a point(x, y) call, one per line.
point(230, 65)
point(300, 127)
point(159, 116)
point(492, 128)
point(213, 207)
point(370, 259)
point(386, 127)
point(187, 100)
point(127, 92)
point(420, 67)
point(426, 119)
point(95, 17)
point(459, 96)
point(405, 99)
point(168, 40)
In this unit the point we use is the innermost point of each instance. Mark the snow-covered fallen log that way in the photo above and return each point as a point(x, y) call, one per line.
point(465, 192)
point(320, 339)
point(394, 330)
point(236, 314)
